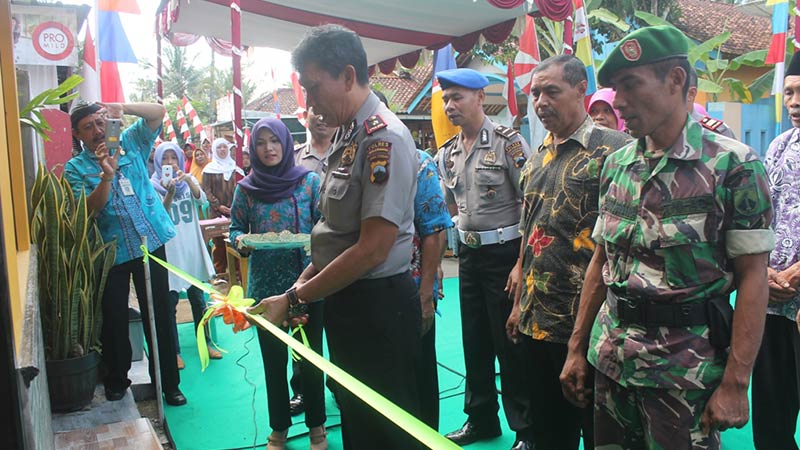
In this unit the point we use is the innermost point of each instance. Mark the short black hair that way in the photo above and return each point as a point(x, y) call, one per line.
point(692, 77)
point(574, 70)
point(662, 68)
point(332, 48)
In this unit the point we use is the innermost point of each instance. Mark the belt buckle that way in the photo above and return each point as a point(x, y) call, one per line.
point(472, 239)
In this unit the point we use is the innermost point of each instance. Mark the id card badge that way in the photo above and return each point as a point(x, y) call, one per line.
point(125, 184)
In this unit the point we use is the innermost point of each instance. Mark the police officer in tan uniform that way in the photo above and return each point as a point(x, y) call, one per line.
point(480, 170)
point(312, 153)
point(361, 248)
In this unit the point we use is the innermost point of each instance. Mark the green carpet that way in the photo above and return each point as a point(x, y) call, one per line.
point(223, 413)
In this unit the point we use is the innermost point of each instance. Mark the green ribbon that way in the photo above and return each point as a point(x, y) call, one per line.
point(394, 413)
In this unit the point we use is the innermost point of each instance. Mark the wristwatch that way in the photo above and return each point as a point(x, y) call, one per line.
point(296, 308)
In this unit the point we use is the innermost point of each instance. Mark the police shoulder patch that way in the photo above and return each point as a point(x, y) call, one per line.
point(516, 153)
point(710, 123)
point(378, 154)
point(374, 123)
point(506, 132)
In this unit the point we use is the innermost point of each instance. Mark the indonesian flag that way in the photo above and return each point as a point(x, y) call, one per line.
point(300, 112)
point(169, 129)
point(90, 88)
point(196, 124)
point(528, 56)
point(187, 136)
point(246, 137)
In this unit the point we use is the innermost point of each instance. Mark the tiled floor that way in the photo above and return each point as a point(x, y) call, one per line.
point(133, 434)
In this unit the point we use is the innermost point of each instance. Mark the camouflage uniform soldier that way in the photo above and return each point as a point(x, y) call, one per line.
point(684, 218)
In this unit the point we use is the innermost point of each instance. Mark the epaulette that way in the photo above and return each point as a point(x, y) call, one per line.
point(299, 146)
point(710, 123)
point(506, 132)
point(449, 142)
point(374, 123)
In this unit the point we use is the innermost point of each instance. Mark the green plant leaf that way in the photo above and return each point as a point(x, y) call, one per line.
point(715, 65)
point(762, 84)
point(701, 51)
point(608, 17)
point(651, 19)
point(740, 91)
point(710, 87)
point(749, 59)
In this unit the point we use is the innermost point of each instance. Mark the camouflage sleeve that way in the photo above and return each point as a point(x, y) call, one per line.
point(748, 210)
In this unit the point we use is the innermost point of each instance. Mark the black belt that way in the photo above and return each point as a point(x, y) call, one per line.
point(651, 315)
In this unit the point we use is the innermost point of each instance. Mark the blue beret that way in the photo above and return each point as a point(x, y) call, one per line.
point(468, 78)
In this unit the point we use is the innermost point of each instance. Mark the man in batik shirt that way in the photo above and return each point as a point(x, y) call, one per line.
point(775, 375)
point(559, 210)
point(684, 219)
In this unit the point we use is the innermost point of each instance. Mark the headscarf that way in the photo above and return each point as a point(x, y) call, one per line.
point(187, 166)
point(224, 166)
point(698, 109)
point(180, 186)
point(197, 170)
point(271, 184)
point(607, 95)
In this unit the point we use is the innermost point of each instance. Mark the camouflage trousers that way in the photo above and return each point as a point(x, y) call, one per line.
point(633, 418)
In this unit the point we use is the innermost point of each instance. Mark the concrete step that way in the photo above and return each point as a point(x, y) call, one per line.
point(132, 434)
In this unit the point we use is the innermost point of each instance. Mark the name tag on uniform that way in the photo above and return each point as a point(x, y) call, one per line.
point(127, 188)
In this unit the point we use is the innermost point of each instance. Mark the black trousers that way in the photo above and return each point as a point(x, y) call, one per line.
point(197, 301)
point(373, 331)
point(114, 335)
point(775, 386)
point(274, 355)
point(428, 380)
point(485, 307)
point(557, 423)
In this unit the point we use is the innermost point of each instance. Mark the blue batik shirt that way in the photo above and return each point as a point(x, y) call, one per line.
point(126, 218)
point(430, 212)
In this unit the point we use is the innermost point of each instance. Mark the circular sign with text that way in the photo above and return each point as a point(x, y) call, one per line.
point(53, 41)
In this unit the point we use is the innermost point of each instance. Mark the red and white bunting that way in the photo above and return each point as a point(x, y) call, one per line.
point(169, 129)
point(187, 136)
point(196, 124)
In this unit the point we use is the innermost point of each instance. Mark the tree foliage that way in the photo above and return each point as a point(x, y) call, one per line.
point(181, 75)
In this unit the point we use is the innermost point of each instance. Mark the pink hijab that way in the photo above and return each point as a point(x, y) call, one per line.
point(607, 95)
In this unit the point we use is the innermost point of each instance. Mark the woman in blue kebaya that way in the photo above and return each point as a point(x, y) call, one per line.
point(277, 196)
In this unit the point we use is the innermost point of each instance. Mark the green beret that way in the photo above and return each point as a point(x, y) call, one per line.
point(644, 46)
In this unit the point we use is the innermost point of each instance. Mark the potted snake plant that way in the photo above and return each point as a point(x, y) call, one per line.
point(73, 265)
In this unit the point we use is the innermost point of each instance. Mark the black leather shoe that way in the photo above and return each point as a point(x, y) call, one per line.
point(296, 405)
point(471, 432)
point(175, 398)
point(114, 395)
point(523, 445)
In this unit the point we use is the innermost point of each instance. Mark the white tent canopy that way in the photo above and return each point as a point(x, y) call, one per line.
point(388, 28)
